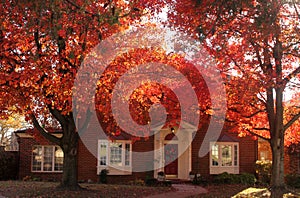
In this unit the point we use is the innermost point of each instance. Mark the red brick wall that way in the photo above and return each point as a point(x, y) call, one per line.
point(25, 147)
point(87, 164)
point(199, 165)
point(247, 154)
point(291, 162)
point(294, 164)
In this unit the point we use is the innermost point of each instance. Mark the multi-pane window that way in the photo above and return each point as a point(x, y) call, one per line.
point(224, 154)
point(127, 154)
point(58, 159)
point(103, 153)
point(37, 158)
point(47, 159)
point(115, 154)
point(235, 150)
point(215, 155)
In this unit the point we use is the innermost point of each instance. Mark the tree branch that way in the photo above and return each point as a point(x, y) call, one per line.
point(296, 10)
point(79, 8)
point(61, 119)
point(291, 45)
point(261, 129)
point(291, 121)
point(260, 136)
point(291, 75)
point(44, 133)
point(259, 58)
point(98, 15)
point(246, 116)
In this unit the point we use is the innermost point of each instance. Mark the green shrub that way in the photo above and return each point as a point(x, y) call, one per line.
point(154, 182)
point(263, 171)
point(151, 182)
point(166, 183)
point(36, 179)
point(247, 178)
point(103, 176)
point(293, 180)
point(199, 180)
point(226, 178)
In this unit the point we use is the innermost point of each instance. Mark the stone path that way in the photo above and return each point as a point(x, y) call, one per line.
point(182, 190)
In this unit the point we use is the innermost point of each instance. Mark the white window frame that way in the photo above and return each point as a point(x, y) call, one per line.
point(43, 160)
point(220, 168)
point(114, 169)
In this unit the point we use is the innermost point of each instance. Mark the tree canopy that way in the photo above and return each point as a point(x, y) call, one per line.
point(255, 44)
point(42, 46)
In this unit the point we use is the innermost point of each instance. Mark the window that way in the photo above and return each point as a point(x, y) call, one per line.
point(224, 157)
point(47, 159)
point(215, 155)
point(115, 156)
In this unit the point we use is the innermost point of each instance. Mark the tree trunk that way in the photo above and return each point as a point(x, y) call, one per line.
point(69, 146)
point(277, 177)
point(68, 143)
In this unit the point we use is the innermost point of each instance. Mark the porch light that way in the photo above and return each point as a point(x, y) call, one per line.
point(172, 130)
point(59, 153)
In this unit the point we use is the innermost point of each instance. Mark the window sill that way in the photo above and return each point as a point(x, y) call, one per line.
point(46, 171)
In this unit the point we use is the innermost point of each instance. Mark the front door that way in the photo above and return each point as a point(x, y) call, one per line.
point(171, 161)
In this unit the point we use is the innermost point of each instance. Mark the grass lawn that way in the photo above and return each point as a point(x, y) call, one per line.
point(48, 189)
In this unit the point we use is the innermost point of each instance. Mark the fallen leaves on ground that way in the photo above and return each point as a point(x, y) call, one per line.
point(48, 189)
point(242, 191)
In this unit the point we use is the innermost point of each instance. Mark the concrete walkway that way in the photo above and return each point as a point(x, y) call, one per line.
point(182, 190)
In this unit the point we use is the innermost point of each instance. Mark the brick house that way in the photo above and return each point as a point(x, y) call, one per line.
point(169, 153)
